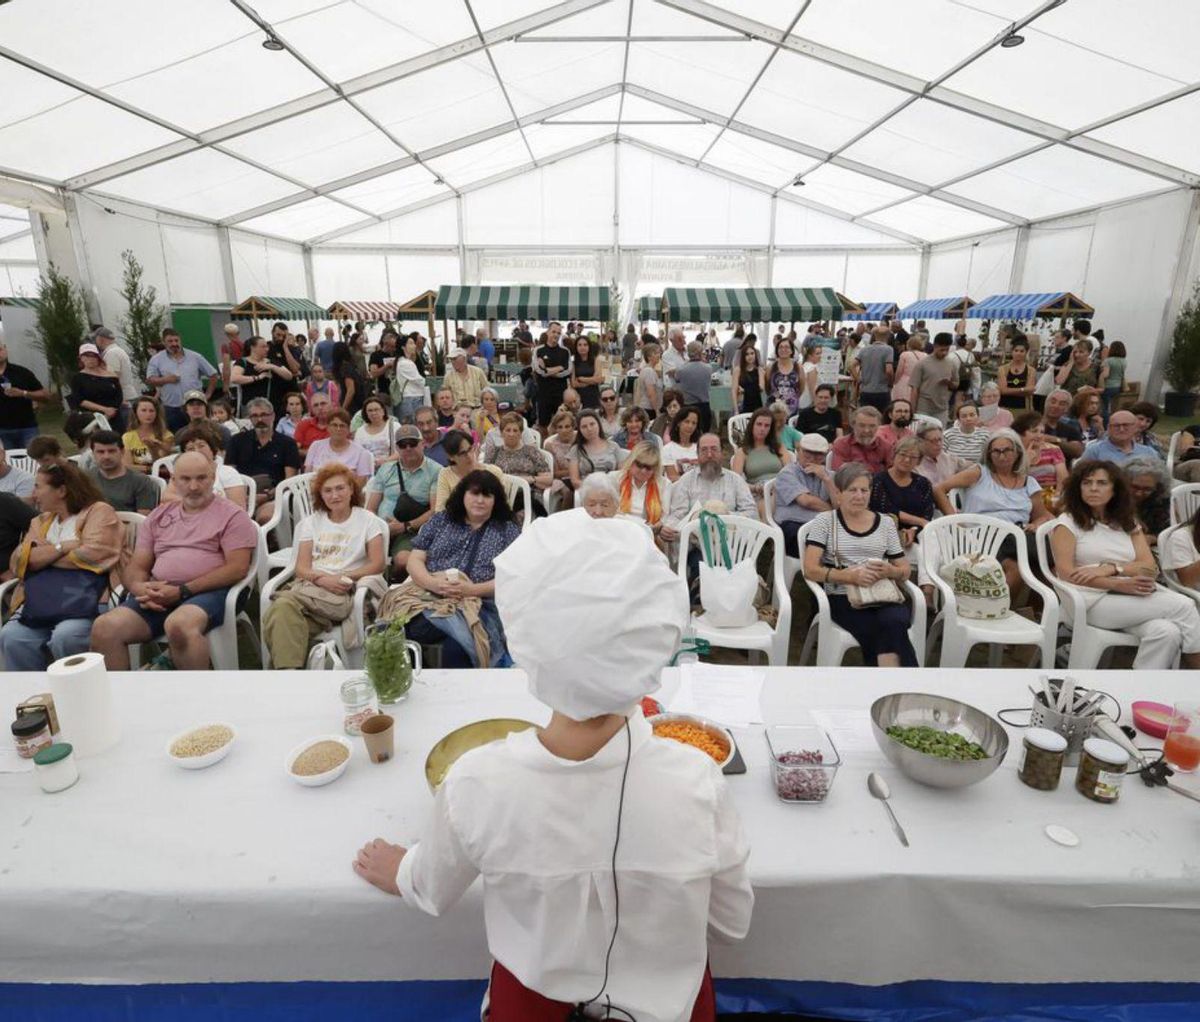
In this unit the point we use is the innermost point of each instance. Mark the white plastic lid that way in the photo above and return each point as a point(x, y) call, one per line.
point(1106, 751)
point(1044, 738)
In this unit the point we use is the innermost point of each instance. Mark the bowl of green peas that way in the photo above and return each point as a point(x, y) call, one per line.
point(936, 740)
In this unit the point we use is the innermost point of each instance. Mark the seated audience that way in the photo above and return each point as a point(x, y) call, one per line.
point(196, 408)
point(444, 404)
point(120, 487)
point(966, 438)
point(189, 552)
point(316, 426)
point(1119, 445)
point(339, 543)
point(1181, 554)
point(1079, 372)
point(377, 434)
point(487, 416)
point(899, 421)
point(1000, 486)
point(672, 402)
point(15, 480)
point(593, 450)
point(760, 456)
point(598, 497)
point(45, 449)
point(641, 486)
point(936, 463)
point(900, 491)
point(293, 415)
point(458, 609)
point(338, 447)
point(400, 492)
point(63, 564)
point(857, 546)
point(464, 414)
point(463, 460)
point(15, 516)
point(788, 434)
point(823, 417)
point(863, 444)
point(148, 438)
point(205, 439)
point(515, 458)
point(426, 421)
point(1151, 490)
point(803, 490)
point(635, 430)
point(709, 483)
point(265, 455)
point(610, 411)
point(559, 442)
point(571, 401)
point(679, 453)
point(993, 415)
point(1099, 546)
point(1146, 413)
point(1046, 462)
point(1061, 431)
point(1085, 413)
point(221, 414)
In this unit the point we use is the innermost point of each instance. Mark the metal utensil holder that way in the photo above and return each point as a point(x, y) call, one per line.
point(1075, 728)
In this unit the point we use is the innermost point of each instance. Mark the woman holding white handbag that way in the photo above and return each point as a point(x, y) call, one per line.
point(856, 555)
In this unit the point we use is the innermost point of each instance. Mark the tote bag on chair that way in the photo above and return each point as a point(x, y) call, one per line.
point(727, 591)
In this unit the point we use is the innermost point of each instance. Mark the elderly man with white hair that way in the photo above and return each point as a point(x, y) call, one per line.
point(707, 483)
point(463, 380)
point(605, 912)
point(675, 352)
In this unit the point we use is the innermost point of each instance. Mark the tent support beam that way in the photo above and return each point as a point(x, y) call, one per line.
point(228, 278)
point(1020, 251)
point(923, 275)
point(1180, 289)
point(310, 286)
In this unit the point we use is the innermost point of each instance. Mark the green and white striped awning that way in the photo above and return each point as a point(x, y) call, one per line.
point(649, 307)
point(259, 307)
point(21, 303)
point(522, 301)
point(754, 304)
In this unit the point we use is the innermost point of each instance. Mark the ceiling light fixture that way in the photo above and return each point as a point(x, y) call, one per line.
point(272, 43)
point(1011, 40)
point(798, 182)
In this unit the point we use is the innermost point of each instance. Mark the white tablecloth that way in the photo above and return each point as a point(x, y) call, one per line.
point(143, 872)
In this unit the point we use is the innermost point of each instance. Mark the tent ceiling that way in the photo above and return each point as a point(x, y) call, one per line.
point(908, 118)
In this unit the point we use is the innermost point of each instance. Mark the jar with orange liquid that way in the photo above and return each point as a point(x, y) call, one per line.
point(1182, 747)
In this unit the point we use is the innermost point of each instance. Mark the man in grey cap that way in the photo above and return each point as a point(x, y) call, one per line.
point(803, 489)
point(399, 492)
point(117, 360)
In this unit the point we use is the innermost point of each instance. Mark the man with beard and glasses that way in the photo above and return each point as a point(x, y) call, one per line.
point(709, 481)
point(899, 422)
point(264, 454)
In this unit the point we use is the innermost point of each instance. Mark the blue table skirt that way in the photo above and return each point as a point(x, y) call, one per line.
point(458, 1001)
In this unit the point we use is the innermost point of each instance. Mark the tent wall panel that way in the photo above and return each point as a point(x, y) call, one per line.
point(434, 225)
point(411, 274)
point(105, 237)
point(982, 267)
point(882, 273)
point(193, 262)
point(826, 266)
point(1057, 258)
point(798, 225)
point(262, 266)
point(346, 275)
point(19, 249)
point(18, 280)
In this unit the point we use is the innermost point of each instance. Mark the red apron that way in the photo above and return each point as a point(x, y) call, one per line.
point(511, 1001)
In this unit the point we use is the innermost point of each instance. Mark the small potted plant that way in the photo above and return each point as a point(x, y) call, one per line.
point(1182, 370)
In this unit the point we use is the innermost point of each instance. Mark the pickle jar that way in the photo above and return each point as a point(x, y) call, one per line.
point(1043, 753)
point(1101, 770)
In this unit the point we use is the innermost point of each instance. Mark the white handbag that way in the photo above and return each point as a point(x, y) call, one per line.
point(727, 590)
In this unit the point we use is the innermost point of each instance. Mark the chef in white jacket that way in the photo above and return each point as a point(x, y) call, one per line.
point(608, 856)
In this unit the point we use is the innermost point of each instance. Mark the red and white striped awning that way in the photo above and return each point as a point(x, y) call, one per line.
point(368, 312)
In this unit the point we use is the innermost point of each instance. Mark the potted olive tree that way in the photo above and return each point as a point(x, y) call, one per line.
point(1182, 370)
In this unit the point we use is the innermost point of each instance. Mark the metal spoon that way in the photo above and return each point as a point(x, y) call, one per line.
point(878, 787)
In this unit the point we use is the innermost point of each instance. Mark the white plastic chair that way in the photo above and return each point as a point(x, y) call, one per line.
point(735, 427)
point(832, 641)
point(549, 501)
point(513, 486)
point(251, 493)
point(222, 640)
point(1185, 500)
point(1170, 577)
point(746, 538)
point(1089, 644)
point(353, 658)
point(17, 458)
point(947, 538)
point(167, 462)
point(1172, 453)
point(293, 501)
point(792, 566)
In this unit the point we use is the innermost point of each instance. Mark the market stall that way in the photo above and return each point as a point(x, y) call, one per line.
point(1051, 305)
point(364, 312)
point(648, 308)
point(937, 308)
point(754, 304)
point(170, 893)
point(874, 312)
point(288, 310)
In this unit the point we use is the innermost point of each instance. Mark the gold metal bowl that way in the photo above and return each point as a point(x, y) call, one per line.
point(462, 740)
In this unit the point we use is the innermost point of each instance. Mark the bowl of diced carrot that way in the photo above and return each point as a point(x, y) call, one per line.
point(697, 732)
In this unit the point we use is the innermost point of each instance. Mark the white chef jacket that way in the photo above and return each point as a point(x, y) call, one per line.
point(540, 829)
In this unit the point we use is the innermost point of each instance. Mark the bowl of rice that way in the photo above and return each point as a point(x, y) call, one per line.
point(200, 747)
point(319, 760)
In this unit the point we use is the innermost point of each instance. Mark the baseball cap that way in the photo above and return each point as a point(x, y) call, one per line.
point(456, 352)
point(232, 328)
point(408, 432)
point(814, 443)
point(194, 395)
point(88, 349)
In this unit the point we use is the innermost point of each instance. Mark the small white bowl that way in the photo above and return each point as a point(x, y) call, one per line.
point(207, 760)
point(316, 780)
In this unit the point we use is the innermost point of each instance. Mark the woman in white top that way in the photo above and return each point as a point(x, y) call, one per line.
point(610, 411)
point(810, 376)
point(340, 448)
point(1182, 554)
point(680, 453)
point(991, 415)
point(377, 434)
point(966, 438)
point(660, 836)
point(204, 437)
point(408, 388)
point(644, 492)
point(339, 543)
point(1099, 546)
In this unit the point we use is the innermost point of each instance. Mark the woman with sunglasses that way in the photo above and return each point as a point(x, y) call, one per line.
point(644, 491)
point(610, 411)
point(1000, 486)
point(462, 461)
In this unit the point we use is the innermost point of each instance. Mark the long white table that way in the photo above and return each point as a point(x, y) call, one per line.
point(145, 873)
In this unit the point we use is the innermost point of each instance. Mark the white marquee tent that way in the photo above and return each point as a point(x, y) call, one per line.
point(376, 148)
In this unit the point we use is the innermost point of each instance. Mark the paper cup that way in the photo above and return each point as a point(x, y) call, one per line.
point(379, 733)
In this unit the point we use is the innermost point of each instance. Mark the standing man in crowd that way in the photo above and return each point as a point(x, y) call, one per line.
point(381, 366)
point(233, 346)
point(873, 369)
point(282, 351)
point(265, 455)
point(694, 381)
point(486, 348)
point(117, 360)
point(551, 368)
point(122, 489)
point(675, 353)
point(323, 350)
point(464, 381)
point(19, 389)
point(934, 380)
point(176, 370)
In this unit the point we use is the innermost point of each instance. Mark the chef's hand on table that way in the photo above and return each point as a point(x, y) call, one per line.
point(378, 862)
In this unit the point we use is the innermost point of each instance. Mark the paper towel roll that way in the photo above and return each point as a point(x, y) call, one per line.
point(83, 698)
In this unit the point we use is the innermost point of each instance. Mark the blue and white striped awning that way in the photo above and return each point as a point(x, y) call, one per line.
point(1040, 305)
point(875, 311)
point(936, 308)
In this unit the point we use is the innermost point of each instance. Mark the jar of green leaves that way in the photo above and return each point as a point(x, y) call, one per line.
point(388, 662)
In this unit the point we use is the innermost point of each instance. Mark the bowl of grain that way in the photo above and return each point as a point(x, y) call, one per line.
point(319, 760)
point(201, 747)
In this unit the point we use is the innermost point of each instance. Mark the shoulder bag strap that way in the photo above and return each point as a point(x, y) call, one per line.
point(473, 548)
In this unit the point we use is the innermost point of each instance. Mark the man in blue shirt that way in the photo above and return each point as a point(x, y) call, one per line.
point(176, 371)
point(486, 348)
point(427, 423)
point(1118, 446)
point(323, 350)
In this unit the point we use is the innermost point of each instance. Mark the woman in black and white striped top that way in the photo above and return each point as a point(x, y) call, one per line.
point(868, 549)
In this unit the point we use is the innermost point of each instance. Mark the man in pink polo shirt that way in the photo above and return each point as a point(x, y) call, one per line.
point(188, 555)
point(863, 444)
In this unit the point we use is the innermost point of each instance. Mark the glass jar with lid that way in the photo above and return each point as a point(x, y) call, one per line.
point(1101, 770)
point(1043, 753)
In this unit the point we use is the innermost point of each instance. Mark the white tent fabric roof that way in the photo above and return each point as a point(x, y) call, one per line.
point(908, 119)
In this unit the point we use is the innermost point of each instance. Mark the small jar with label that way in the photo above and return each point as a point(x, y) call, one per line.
point(1101, 770)
point(55, 767)
point(1043, 753)
point(358, 703)
point(31, 731)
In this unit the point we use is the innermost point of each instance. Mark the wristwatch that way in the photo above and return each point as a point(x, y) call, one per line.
point(185, 593)
point(58, 547)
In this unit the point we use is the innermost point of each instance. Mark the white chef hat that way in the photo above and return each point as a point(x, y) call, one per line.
point(591, 611)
